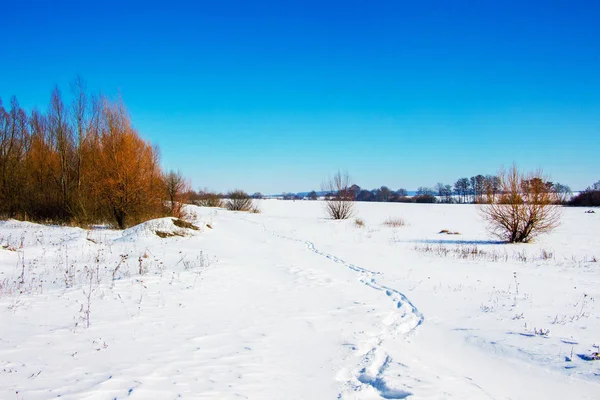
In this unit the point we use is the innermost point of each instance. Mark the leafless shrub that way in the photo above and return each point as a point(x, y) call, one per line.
point(524, 209)
point(394, 222)
point(359, 223)
point(238, 200)
point(339, 202)
point(208, 199)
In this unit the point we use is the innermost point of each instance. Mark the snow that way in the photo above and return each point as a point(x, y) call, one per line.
point(289, 305)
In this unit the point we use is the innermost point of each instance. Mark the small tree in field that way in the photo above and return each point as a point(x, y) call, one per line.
point(177, 192)
point(524, 208)
point(339, 203)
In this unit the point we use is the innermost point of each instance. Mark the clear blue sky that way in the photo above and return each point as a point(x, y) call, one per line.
point(275, 96)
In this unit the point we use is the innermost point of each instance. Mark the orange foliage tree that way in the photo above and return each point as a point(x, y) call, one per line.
point(126, 174)
point(83, 164)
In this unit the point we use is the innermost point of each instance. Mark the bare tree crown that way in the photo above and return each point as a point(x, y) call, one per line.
point(524, 208)
point(339, 201)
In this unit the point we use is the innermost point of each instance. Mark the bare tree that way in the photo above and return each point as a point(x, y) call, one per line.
point(462, 187)
point(176, 188)
point(444, 192)
point(525, 208)
point(339, 203)
point(14, 139)
point(61, 136)
point(563, 193)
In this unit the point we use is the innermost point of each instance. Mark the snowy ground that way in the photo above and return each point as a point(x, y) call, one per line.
point(288, 305)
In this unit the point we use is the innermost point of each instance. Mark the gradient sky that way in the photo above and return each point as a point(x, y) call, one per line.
point(275, 96)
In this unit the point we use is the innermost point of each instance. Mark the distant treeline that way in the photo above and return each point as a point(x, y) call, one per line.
point(476, 189)
point(81, 163)
point(590, 197)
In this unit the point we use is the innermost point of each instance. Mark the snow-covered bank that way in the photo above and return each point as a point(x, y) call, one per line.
point(289, 305)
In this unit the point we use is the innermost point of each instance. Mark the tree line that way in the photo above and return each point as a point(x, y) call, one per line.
point(590, 197)
point(81, 163)
point(476, 189)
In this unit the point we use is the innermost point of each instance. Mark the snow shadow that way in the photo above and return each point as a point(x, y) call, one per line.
point(383, 389)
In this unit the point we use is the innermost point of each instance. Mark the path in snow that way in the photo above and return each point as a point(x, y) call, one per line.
point(375, 361)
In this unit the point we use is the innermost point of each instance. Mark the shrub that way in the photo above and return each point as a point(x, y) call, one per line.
point(208, 199)
point(339, 203)
point(238, 200)
point(524, 208)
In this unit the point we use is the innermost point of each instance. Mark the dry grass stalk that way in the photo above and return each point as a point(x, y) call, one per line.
point(394, 222)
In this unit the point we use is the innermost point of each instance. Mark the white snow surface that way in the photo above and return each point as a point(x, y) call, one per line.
point(287, 304)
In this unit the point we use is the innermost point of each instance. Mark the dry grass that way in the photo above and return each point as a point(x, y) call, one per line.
point(184, 224)
point(474, 252)
point(164, 235)
point(359, 223)
point(394, 222)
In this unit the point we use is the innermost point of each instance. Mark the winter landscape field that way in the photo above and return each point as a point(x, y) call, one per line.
point(287, 304)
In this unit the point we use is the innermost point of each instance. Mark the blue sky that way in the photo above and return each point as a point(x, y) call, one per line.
point(275, 96)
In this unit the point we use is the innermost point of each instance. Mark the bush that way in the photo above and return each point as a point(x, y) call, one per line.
point(524, 208)
point(207, 199)
point(339, 202)
point(238, 200)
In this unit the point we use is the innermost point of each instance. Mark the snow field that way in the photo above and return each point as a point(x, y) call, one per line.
point(288, 305)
